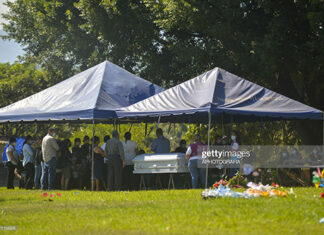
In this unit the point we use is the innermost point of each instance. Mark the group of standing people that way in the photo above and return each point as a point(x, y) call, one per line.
point(112, 166)
point(30, 164)
point(113, 161)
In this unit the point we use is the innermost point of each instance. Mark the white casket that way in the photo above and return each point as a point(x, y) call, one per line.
point(160, 163)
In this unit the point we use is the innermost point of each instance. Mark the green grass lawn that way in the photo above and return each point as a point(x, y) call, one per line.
point(157, 212)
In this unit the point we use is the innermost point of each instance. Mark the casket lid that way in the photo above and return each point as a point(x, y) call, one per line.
point(152, 157)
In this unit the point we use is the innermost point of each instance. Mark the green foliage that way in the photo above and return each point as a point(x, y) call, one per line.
point(277, 44)
point(267, 133)
point(173, 132)
point(17, 81)
point(274, 43)
point(50, 33)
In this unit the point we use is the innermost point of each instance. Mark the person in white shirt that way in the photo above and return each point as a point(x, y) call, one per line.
point(12, 161)
point(50, 149)
point(130, 150)
point(28, 162)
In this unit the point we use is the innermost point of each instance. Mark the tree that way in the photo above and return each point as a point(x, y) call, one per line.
point(51, 35)
point(275, 43)
point(17, 81)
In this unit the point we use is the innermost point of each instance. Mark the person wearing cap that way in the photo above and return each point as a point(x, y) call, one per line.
point(114, 151)
point(49, 152)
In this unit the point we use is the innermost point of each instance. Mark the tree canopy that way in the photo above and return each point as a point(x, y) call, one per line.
point(276, 43)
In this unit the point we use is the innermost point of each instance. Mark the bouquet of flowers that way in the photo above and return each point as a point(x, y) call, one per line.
point(238, 181)
point(221, 189)
point(260, 190)
point(221, 182)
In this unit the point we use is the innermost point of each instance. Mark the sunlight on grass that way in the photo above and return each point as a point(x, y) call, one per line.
point(174, 211)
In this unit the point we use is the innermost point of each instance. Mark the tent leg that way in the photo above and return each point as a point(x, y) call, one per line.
point(158, 123)
point(130, 128)
point(323, 131)
point(223, 125)
point(208, 146)
point(231, 124)
point(92, 155)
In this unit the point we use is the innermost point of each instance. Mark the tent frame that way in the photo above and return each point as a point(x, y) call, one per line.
point(222, 123)
point(124, 121)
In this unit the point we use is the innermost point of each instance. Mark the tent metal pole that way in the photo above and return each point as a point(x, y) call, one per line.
point(208, 146)
point(174, 128)
point(92, 154)
point(262, 124)
point(158, 123)
point(223, 125)
point(169, 129)
point(323, 131)
point(130, 128)
point(231, 123)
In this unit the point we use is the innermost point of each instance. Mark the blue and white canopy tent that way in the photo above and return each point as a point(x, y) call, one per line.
point(94, 94)
point(218, 93)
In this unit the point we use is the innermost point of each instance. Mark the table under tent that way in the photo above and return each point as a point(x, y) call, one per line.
point(91, 96)
point(218, 96)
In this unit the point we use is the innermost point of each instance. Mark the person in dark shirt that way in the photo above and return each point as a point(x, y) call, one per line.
point(182, 148)
point(105, 168)
point(98, 163)
point(76, 162)
point(66, 158)
point(76, 151)
point(85, 163)
point(85, 149)
point(38, 164)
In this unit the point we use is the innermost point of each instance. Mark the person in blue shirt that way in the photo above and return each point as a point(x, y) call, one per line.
point(160, 144)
